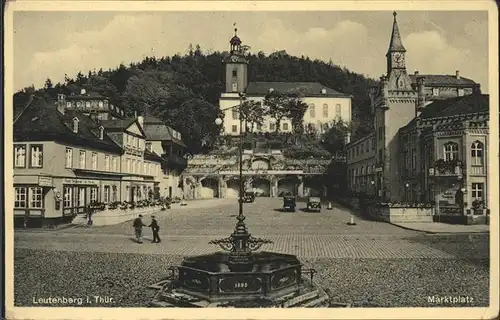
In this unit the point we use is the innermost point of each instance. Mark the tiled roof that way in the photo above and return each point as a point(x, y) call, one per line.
point(157, 132)
point(308, 89)
point(150, 119)
point(473, 103)
point(442, 80)
point(117, 124)
point(149, 155)
point(42, 121)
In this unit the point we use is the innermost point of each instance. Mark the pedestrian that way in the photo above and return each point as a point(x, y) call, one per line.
point(155, 228)
point(138, 228)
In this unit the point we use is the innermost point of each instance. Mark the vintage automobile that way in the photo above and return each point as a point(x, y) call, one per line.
point(248, 197)
point(289, 203)
point(314, 204)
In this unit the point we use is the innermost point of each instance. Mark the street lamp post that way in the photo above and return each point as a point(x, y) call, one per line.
point(407, 185)
point(240, 243)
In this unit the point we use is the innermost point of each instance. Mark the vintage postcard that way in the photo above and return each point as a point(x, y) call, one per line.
point(286, 160)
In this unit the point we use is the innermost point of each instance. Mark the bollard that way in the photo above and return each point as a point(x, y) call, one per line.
point(351, 221)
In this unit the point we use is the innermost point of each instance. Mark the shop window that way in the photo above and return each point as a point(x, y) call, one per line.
point(450, 151)
point(477, 153)
point(20, 156)
point(82, 159)
point(69, 158)
point(20, 197)
point(106, 194)
point(81, 197)
point(36, 197)
point(93, 195)
point(36, 156)
point(114, 194)
point(67, 197)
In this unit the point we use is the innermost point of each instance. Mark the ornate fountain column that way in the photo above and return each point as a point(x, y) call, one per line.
point(300, 187)
point(274, 186)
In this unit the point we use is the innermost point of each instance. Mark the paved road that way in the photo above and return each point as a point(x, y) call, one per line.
point(186, 231)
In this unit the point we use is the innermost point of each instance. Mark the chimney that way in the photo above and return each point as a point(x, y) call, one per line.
point(140, 119)
point(416, 73)
point(83, 92)
point(61, 101)
point(420, 95)
point(101, 133)
point(457, 74)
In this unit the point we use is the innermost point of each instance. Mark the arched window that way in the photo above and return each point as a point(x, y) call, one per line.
point(312, 110)
point(450, 151)
point(477, 153)
point(325, 111)
point(338, 112)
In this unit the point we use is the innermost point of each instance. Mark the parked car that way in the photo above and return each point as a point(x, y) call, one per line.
point(314, 204)
point(289, 203)
point(248, 197)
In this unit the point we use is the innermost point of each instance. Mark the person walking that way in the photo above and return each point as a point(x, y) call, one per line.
point(138, 228)
point(155, 228)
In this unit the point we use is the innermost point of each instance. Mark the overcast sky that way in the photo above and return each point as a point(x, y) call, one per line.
point(50, 44)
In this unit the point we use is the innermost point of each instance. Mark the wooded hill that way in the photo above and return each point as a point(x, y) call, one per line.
point(184, 90)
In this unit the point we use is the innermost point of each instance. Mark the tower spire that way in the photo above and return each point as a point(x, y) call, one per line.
point(396, 44)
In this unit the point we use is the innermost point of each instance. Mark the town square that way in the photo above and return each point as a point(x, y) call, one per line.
point(245, 171)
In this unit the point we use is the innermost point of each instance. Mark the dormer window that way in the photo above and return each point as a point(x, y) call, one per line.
point(101, 132)
point(75, 124)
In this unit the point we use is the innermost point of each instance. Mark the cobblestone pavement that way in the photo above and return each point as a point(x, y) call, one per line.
point(187, 231)
point(263, 218)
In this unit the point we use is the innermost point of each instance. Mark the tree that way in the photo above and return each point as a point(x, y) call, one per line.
point(252, 113)
point(334, 139)
point(296, 110)
point(275, 106)
point(48, 84)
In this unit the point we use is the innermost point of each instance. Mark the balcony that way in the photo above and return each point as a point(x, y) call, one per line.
point(452, 168)
point(176, 161)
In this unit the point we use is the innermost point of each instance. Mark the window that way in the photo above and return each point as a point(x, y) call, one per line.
point(235, 73)
point(477, 153)
point(235, 87)
point(235, 114)
point(450, 151)
point(414, 159)
point(114, 194)
point(69, 158)
point(325, 111)
point(477, 191)
point(461, 92)
point(373, 144)
point(367, 145)
point(138, 166)
point(338, 111)
point(106, 162)
point(285, 126)
point(145, 167)
point(20, 197)
point(106, 194)
point(93, 195)
point(115, 164)
point(82, 159)
point(435, 91)
point(133, 166)
point(36, 198)
point(149, 146)
point(36, 156)
point(259, 126)
point(312, 110)
point(128, 165)
point(67, 196)
point(380, 156)
point(272, 126)
point(94, 161)
point(20, 156)
point(81, 197)
point(127, 193)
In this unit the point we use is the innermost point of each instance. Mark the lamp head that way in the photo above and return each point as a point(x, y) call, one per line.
point(218, 121)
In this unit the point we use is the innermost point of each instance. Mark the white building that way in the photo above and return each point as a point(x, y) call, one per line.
point(325, 104)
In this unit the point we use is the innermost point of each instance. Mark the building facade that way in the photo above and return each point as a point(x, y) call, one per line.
point(324, 104)
point(64, 160)
point(422, 122)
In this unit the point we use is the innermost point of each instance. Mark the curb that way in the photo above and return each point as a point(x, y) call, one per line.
point(449, 233)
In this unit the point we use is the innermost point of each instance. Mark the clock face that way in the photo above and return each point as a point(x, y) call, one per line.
point(398, 59)
point(234, 59)
point(401, 82)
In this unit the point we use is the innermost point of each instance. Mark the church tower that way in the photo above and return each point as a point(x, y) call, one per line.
point(398, 78)
point(236, 66)
point(394, 106)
